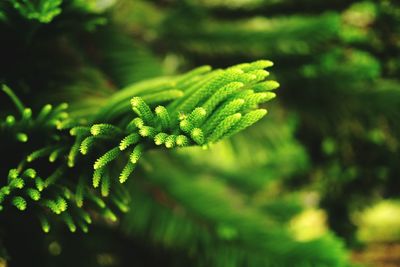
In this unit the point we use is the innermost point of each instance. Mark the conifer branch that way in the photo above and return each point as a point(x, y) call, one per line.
point(210, 106)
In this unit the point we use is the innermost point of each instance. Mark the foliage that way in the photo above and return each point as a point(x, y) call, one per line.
point(224, 194)
point(43, 10)
point(208, 107)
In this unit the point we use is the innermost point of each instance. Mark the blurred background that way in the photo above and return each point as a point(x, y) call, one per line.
point(315, 181)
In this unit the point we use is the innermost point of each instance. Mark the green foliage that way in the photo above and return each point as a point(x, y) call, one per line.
point(125, 61)
point(175, 124)
point(259, 35)
point(216, 225)
point(230, 194)
point(41, 10)
point(128, 138)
